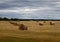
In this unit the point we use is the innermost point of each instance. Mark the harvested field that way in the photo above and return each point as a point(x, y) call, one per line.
point(35, 32)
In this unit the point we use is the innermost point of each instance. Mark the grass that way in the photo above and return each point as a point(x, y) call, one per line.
point(35, 33)
point(14, 39)
point(28, 36)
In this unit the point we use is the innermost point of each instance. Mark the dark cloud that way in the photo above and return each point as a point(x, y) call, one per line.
point(24, 3)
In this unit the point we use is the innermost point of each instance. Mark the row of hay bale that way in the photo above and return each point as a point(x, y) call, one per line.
point(21, 26)
point(24, 27)
point(42, 23)
point(14, 23)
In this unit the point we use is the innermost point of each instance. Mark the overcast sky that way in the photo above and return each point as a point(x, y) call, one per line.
point(30, 9)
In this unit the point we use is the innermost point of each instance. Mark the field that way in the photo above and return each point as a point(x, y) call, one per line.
point(35, 32)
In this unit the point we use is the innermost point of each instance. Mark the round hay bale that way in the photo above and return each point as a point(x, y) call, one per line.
point(37, 21)
point(44, 21)
point(22, 27)
point(52, 23)
point(11, 22)
point(16, 24)
point(40, 23)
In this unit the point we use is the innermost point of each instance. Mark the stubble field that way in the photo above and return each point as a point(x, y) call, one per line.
point(35, 32)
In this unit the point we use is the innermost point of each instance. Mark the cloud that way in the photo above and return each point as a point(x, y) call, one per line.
point(30, 8)
point(57, 4)
point(25, 10)
point(23, 3)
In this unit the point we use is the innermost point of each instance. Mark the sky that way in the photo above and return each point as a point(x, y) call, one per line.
point(30, 9)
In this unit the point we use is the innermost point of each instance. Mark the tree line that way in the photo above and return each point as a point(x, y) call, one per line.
point(7, 19)
point(16, 19)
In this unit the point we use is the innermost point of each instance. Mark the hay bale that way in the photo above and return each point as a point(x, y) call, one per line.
point(11, 22)
point(22, 27)
point(52, 23)
point(16, 24)
point(40, 23)
point(37, 21)
point(44, 21)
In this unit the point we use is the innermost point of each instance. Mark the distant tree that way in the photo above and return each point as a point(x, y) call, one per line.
point(5, 18)
point(0, 18)
point(16, 19)
point(12, 19)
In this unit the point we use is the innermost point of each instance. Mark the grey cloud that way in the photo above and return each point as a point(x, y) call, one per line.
point(24, 3)
point(11, 4)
